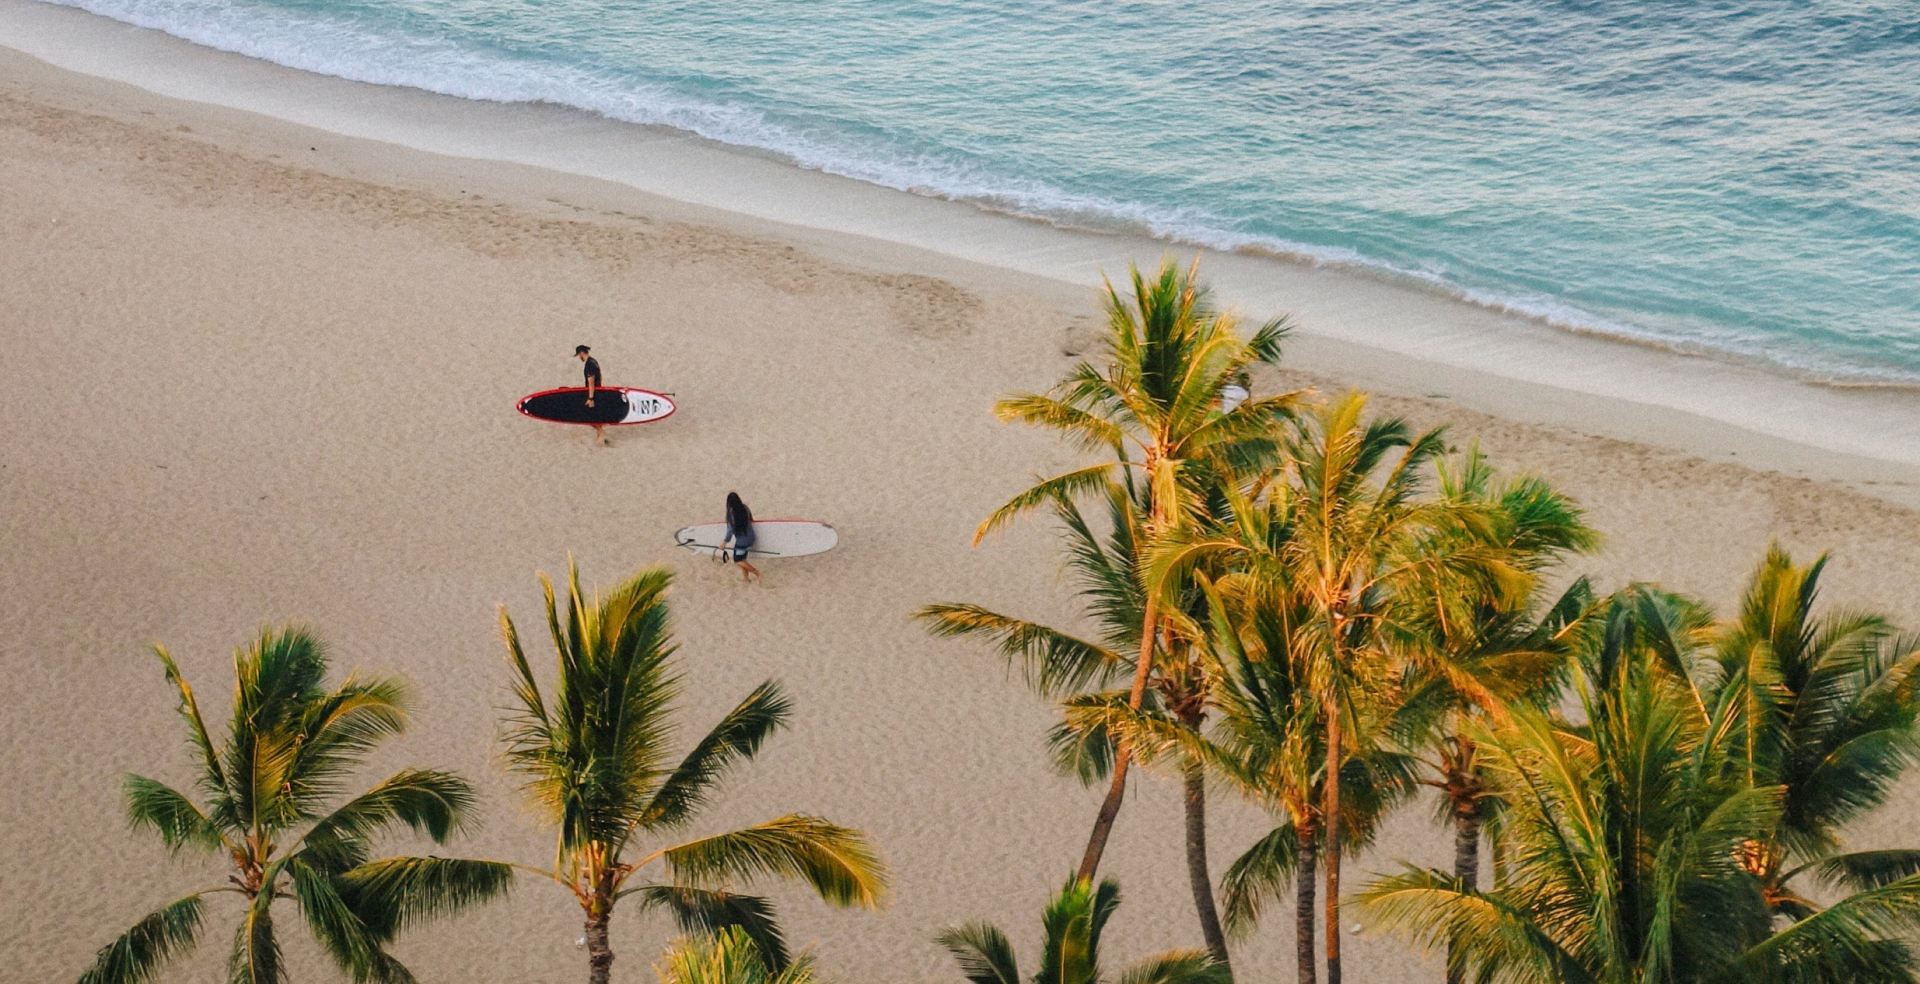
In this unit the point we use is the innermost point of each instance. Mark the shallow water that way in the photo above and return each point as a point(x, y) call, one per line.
point(1740, 177)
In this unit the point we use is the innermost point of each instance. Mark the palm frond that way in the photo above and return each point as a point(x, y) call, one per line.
point(983, 952)
point(736, 738)
point(175, 818)
point(1087, 431)
point(427, 801)
point(142, 951)
point(1176, 967)
point(702, 912)
point(340, 932)
point(392, 895)
point(213, 778)
point(1052, 661)
point(1848, 930)
point(836, 861)
point(1069, 485)
point(1257, 877)
point(1861, 870)
point(337, 731)
point(1490, 936)
point(256, 957)
point(1084, 751)
point(727, 956)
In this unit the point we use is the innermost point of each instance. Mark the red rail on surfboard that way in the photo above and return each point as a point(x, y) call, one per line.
point(613, 406)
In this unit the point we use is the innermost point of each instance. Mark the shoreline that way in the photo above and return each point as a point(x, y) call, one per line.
point(1352, 324)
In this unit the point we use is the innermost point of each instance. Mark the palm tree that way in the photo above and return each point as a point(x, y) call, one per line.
point(1268, 746)
point(1073, 923)
point(1060, 665)
point(265, 790)
point(1511, 651)
point(727, 956)
point(1630, 839)
point(595, 758)
point(1154, 408)
point(1823, 706)
point(1345, 535)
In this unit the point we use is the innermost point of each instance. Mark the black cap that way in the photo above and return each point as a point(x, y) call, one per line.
point(581, 350)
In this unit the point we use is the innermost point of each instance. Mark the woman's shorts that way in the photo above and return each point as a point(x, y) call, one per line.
point(740, 547)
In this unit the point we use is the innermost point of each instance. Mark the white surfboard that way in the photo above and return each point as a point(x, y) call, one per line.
point(771, 538)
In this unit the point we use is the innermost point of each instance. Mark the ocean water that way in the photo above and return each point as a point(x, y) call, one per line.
point(1738, 177)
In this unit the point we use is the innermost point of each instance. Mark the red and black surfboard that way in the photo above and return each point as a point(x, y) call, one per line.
point(613, 406)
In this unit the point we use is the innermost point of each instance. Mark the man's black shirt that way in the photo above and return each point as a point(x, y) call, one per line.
point(593, 372)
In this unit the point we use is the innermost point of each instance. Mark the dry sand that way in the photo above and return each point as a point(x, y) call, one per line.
point(257, 372)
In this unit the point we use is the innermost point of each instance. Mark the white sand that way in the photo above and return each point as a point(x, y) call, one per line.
point(260, 372)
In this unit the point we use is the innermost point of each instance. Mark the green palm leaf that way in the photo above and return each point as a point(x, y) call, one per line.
point(1052, 661)
point(392, 895)
point(426, 801)
point(179, 823)
point(983, 952)
point(837, 861)
point(1176, 967)
point(735, 739)
point(701, 912)
point(1257, 877)
point(142, 951)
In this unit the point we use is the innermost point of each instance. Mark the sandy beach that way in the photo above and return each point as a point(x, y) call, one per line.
point(260, 371)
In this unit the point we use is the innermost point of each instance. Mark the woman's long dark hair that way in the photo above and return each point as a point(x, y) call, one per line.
point(739, 517)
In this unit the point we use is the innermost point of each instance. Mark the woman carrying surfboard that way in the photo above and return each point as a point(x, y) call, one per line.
point(740, 535)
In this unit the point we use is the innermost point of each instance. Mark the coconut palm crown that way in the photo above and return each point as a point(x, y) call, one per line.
point(594, 750)
point(265, 792)
point(1073, 923)
point(1631, 839)
point(1155, 407)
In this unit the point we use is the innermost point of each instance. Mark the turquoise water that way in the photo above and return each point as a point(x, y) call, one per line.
point(1740, 177)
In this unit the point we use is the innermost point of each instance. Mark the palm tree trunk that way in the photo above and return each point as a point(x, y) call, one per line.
point(599, 952)
point(1304, 875)
point(1103, 821)
point(1197, 873)
point(1123, 756)
point(1331, 812)
point(1466, 867)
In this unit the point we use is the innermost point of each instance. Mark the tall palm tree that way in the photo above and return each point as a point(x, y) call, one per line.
point(265, 789)
point(1512, 651)
point(1154, 407)
point(1630, 841)
point(1267, 745)
point(594, 753)
point(1059, 665)
point(1073, 923)
point(1346, 533)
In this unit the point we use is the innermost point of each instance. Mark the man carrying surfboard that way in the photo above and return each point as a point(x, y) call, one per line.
point(592, 372)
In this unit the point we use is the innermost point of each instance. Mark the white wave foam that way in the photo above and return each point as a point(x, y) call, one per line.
point(351, 51)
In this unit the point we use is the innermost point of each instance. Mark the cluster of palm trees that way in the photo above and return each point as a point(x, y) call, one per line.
point(594, 748)
point(1316, 609)
point(1326, 612)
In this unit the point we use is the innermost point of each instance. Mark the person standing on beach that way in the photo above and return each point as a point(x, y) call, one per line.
point(592, 373)
point(739, 538)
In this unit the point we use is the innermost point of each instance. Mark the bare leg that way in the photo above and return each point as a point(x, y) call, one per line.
point(748, 571)
point(599, 435)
